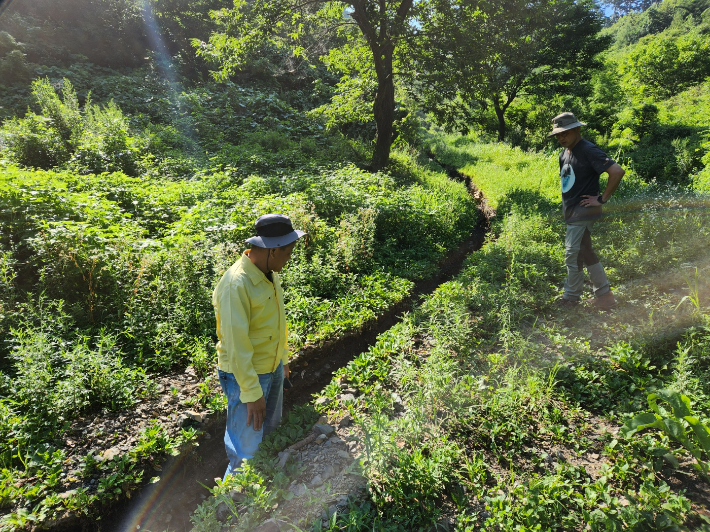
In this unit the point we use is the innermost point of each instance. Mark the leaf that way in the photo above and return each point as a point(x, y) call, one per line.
point(640, 422)
point(701, 432)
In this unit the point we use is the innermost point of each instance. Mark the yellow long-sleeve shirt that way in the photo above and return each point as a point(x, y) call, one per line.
point(251, 325)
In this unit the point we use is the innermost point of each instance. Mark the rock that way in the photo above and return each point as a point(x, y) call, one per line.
point(323, 401)
point(321, 438)
point(237, 496)
point(222, 512)
point(324, 428)
point(346, 421)
point(110, 454)
point(283, 458)
point(347, 398)
point(352, 445)
point(268, 526)
point(350, 390)
point(335, 440)
point(329, 472)
point(195, 416)
point(299, 489)
point(323, 420)
point(344, 454)
point(184, 420)
point(315, 482)
point(66, 494)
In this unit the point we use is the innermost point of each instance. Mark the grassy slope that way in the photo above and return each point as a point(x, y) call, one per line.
point(513, 410)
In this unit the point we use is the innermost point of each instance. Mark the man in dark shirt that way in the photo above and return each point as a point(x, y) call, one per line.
point(581, 164)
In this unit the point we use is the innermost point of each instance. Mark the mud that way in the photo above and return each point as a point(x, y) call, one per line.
point(184, 480)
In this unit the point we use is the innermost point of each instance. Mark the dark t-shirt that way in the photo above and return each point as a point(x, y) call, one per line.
point(579, 176)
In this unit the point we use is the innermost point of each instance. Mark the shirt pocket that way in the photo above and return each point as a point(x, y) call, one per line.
point(262, 342)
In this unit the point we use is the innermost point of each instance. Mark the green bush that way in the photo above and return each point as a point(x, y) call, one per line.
point(92, 140)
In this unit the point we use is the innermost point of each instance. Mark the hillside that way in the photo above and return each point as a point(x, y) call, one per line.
point(139, 141)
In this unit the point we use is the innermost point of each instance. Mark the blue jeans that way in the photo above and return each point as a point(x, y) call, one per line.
point(578, 254)
point(241, 441)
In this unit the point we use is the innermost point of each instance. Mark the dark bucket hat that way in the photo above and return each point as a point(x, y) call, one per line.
point(274, 231)
point(564, 122)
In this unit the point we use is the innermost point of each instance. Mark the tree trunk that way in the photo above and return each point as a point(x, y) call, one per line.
point(500, 113)
point(379, 32)
point(383, 108)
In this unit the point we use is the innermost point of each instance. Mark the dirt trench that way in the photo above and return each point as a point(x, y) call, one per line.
point(184, 480)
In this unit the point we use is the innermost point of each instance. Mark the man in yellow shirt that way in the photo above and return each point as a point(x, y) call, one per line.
point(251, 331)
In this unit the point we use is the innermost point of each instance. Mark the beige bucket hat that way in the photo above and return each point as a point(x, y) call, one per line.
point(563, 122)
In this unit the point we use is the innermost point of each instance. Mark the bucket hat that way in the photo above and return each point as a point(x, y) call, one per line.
point(563, 122)
point(274, 231)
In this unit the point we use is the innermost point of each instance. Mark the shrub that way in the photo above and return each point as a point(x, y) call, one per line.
point(94, 140)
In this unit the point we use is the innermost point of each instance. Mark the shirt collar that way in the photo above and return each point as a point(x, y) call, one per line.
point(255, 274)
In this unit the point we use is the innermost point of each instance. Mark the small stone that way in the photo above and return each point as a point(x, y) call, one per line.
point(110, 454)
point(66, 494)
point(195, 416)
point(315, 482)
point(299, 490)
point(268, 526)
point(283, 458)
point(344, 454)
point(237, 496)
point(184, 420)
point(594, 456)
point(347, 398)
point(323, 401)
point(350, 390)
point(335, 440)
point(346, 421)
point(328, 473)
point(323, 428)
point(323, 420)
point(207, 436)
point(321, 438)
point(221, 512)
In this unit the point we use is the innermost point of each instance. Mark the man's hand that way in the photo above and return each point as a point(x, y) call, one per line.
point(590, 201)
point(257, 411)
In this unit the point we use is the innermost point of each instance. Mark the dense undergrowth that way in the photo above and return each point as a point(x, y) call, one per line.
point(488, 409)
point(108, 259)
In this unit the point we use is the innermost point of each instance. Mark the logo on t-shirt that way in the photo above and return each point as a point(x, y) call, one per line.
point(566, 177)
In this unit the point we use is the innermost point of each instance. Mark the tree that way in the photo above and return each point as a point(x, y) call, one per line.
point(483, 54)
point(257, 23)
point(664, 65)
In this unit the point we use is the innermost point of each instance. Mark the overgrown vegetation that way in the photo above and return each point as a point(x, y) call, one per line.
point(486, 409)
point(128, 182)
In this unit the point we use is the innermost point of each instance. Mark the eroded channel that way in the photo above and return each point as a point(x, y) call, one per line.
point(185, 480)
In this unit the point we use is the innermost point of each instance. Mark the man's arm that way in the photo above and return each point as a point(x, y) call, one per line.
point(235, 340)
point(615, 172)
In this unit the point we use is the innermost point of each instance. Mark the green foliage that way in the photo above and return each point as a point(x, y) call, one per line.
point(93, 141)
point(665, 65)
point(407, 484)
point(470, 70)
point(678, 423)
